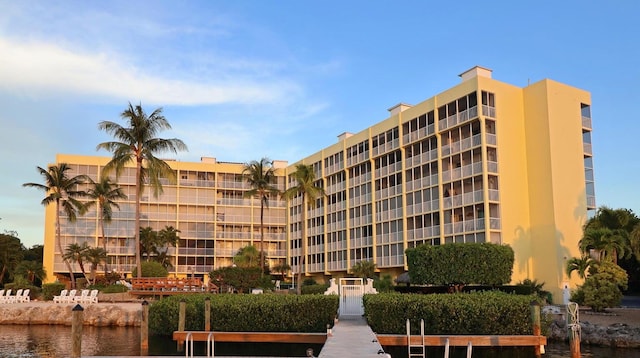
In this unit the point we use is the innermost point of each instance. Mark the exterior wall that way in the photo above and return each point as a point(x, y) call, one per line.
point(483, 161)
point(206, 204)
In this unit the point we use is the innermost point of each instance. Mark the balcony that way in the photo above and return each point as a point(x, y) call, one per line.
point(390, 261)
point(423, 207)
point(591, 202)
point(587, 149)
point(464, 226)
point(385, 147)
point(458, 118)
point(586, 122)
point(488, 111)
point(358, 158)
point(423, 233)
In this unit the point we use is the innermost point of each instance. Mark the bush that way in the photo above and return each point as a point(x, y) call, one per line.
point(151, 269)
point(246, 313)
point(460, 264)
point(310, 281)
point(314, 289)
point(24, 284)
point(484, 313)
point(241, 278)
point(385, 284)
point(602, 288)
point(115, 288)
point(51, 289)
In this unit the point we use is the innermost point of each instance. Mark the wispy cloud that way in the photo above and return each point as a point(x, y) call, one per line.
point(41, 68)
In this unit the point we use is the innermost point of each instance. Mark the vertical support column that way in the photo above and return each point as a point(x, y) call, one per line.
point(573, 325)
point(182, 313)
point(144, 329)
point(535, 323)
point(207, 314)
point(77, 320)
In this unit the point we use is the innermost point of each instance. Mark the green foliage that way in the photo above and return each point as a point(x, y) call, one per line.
point(384, 284)
point(22, 283)
point(470, 263)
point(314, 289)
point(51, 289)
point(11, 254)
point(483, 313)
point(602, 289)
point(364, 269)
point(151, 269)
point(310, 281)
point(528, 287)
point(246, 313)
point(242, 279)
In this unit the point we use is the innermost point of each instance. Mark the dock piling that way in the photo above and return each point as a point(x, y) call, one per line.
point(77, 320)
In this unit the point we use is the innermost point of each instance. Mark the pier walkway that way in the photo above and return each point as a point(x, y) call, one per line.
point(351, 337)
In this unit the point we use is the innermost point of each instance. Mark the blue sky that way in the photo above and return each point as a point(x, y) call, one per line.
point(239, 80)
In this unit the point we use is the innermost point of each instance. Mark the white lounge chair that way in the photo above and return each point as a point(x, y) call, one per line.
point(6, 297)
point(61, 297)
point(70, 297)
point(25, 296)
point(92, 297)
point(16, 297)
point(82, 297)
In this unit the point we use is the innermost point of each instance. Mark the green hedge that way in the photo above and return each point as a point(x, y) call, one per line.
point(470, 263)
point(314, 289)
point(484, 313)
point(246, 313)
point(51, 289)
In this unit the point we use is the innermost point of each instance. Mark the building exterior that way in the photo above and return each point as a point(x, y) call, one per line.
point(483, 161)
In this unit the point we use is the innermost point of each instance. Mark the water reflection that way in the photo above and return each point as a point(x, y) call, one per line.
point(55, 341)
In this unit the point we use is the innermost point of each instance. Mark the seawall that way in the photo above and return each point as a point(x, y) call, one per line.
point(96, 314)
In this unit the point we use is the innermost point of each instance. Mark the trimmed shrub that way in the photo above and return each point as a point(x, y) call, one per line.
point(483, 313)
point(52, 289)
point(151, 269)
point(384, 284)
point(242, 279)
point(115, 288)
point(460, 264)
point(602, 288)
point(246, 313)
point(314, 289)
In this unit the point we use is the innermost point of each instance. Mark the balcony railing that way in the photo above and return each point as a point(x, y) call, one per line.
point(587, 148)
point(586, 122)
point(458, 118)
point(360, 179)
point(488, 111)
point(591, 202)
point(358, 158)
point(387, 146)
point(390, 261)
point(423, 233)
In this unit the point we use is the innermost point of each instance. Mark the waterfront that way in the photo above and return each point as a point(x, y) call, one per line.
point(54, 341)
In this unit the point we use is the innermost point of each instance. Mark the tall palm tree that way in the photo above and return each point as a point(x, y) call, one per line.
point(305, 187)
point(137, 143)
point(247, 257)
point(104, 194)
point(580, 265)
point(623, 223)
point(261, 176)
point(148, 241)
point(95, 255)
point(76, 252)
point(364, 269)
point(64, 192)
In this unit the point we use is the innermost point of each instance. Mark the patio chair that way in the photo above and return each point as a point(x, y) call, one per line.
point(82, 297)
point(25, 296)
point(6, 297)
point(61, 297)
point(14, 299)
point(70, 298)
point(92, 297)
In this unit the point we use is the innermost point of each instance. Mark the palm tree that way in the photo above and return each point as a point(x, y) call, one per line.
point(364, 269)
point(247, 257)
point(282, 269)
point(606, 243)
point(63, 191)
point(305, 187)
point(260, 175)
point(580, 265)
point(167, 237)
point(104, 194)
point(95, 255)
point(76, 252)
point(148, 241)
point(137, 144)
point(31, 270)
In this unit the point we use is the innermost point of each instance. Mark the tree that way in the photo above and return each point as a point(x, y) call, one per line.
point(64, 192)
point(148, 242)
point(364, 269)
point(76, 252)
point(282, 268)
point(151, 269)
point(104, 194)
point(167, 237)
point(602, 289)
point(138, 144)
point(304, 187)
point(580, 265)
point(31, 270)
point(247, 257)
point(10, 255)
point(606, 243)
point(260, 175)
point(95, 255)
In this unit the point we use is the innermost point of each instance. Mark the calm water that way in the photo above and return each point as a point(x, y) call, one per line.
point(55, 341)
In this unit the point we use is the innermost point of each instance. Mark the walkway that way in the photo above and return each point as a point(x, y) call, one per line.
point(352, 337)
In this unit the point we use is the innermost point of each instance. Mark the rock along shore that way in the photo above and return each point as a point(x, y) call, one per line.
point(616, 335)
point(97, 314)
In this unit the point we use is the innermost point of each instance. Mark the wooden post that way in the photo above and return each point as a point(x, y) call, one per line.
point(207, 314)
point(573, 325)
point(535, 323)
point(144, 329)
point(77, 321)
point(182, 313)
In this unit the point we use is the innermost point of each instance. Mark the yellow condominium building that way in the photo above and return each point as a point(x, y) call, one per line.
point(483, 161)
